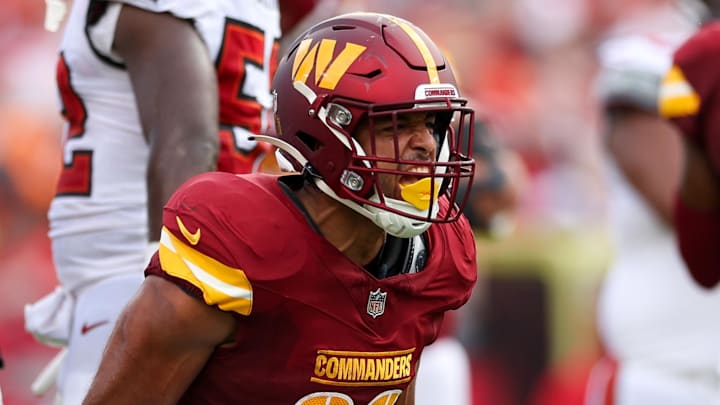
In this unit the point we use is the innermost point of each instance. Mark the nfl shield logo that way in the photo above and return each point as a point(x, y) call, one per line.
point(376, 303)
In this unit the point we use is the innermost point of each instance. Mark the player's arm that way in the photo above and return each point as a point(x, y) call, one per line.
point(176, 92)
point(633, 132)
point(161, 341)
point(645, 147)
point(700, 189)
point(697, 217)
point(408, 396)
point(688, 98)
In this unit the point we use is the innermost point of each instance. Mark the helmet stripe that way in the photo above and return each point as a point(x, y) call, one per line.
point(302, 64)
point(324, 56)
point(422, 47)
point(340, 65)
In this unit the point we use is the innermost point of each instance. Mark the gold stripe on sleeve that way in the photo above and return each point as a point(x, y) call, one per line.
point(677, 97)
point(221, 285)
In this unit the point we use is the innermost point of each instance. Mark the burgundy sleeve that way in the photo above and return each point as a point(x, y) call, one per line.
point(698, 63)
point(698, 235)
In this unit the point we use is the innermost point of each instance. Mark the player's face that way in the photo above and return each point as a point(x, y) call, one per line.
point(415, 142)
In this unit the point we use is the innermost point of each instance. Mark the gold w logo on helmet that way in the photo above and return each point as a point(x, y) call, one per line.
point(328, 71)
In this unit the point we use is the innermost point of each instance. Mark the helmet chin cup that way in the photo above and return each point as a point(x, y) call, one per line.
point(395, 224)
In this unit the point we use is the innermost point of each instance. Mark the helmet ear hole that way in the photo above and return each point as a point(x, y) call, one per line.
point(442, 126)
point(442, 120)
point(311, 142)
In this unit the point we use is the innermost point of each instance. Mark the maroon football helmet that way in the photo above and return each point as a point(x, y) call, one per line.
point(354, 69)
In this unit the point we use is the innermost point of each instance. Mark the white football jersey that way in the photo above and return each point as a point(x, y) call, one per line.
point(98, 219)
point(650, 311)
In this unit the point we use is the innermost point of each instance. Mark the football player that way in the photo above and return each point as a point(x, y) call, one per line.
point(321, 286)
point(659, 350)
point(142, 85)
point(688, 99)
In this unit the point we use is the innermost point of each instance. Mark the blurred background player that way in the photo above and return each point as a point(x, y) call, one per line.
point(688, 98)
point(658, 328)
point(365, 239)
point(142, 85)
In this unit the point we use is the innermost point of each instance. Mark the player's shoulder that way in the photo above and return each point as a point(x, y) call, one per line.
point(221, 187)
point(689, 86)
point(207, 8)
point(638, 52)
point(452, 262)
point(182, 7)
point(461, 228)
point(645, 41)
point(225, 235)
point(237, 209)
point(631, 67)
point(458, 239)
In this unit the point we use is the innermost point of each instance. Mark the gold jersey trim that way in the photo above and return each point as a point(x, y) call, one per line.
point(221, 285)
point(677, 97)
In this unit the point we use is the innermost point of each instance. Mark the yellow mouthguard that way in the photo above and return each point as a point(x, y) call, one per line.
point(418, 193)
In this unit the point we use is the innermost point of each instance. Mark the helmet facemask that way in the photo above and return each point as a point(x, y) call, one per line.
point(369, 184)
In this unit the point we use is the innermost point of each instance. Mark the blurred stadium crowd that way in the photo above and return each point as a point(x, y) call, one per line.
point(529, 67)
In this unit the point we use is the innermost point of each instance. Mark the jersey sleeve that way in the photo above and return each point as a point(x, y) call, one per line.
point(194, 247)
point(630, 71)
point(686, 95)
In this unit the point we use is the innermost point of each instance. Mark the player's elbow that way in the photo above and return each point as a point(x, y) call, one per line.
point(700, 265)
point(698, 234)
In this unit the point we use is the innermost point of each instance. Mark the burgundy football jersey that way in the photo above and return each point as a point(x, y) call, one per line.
point(688, 92)
point(313, 327)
